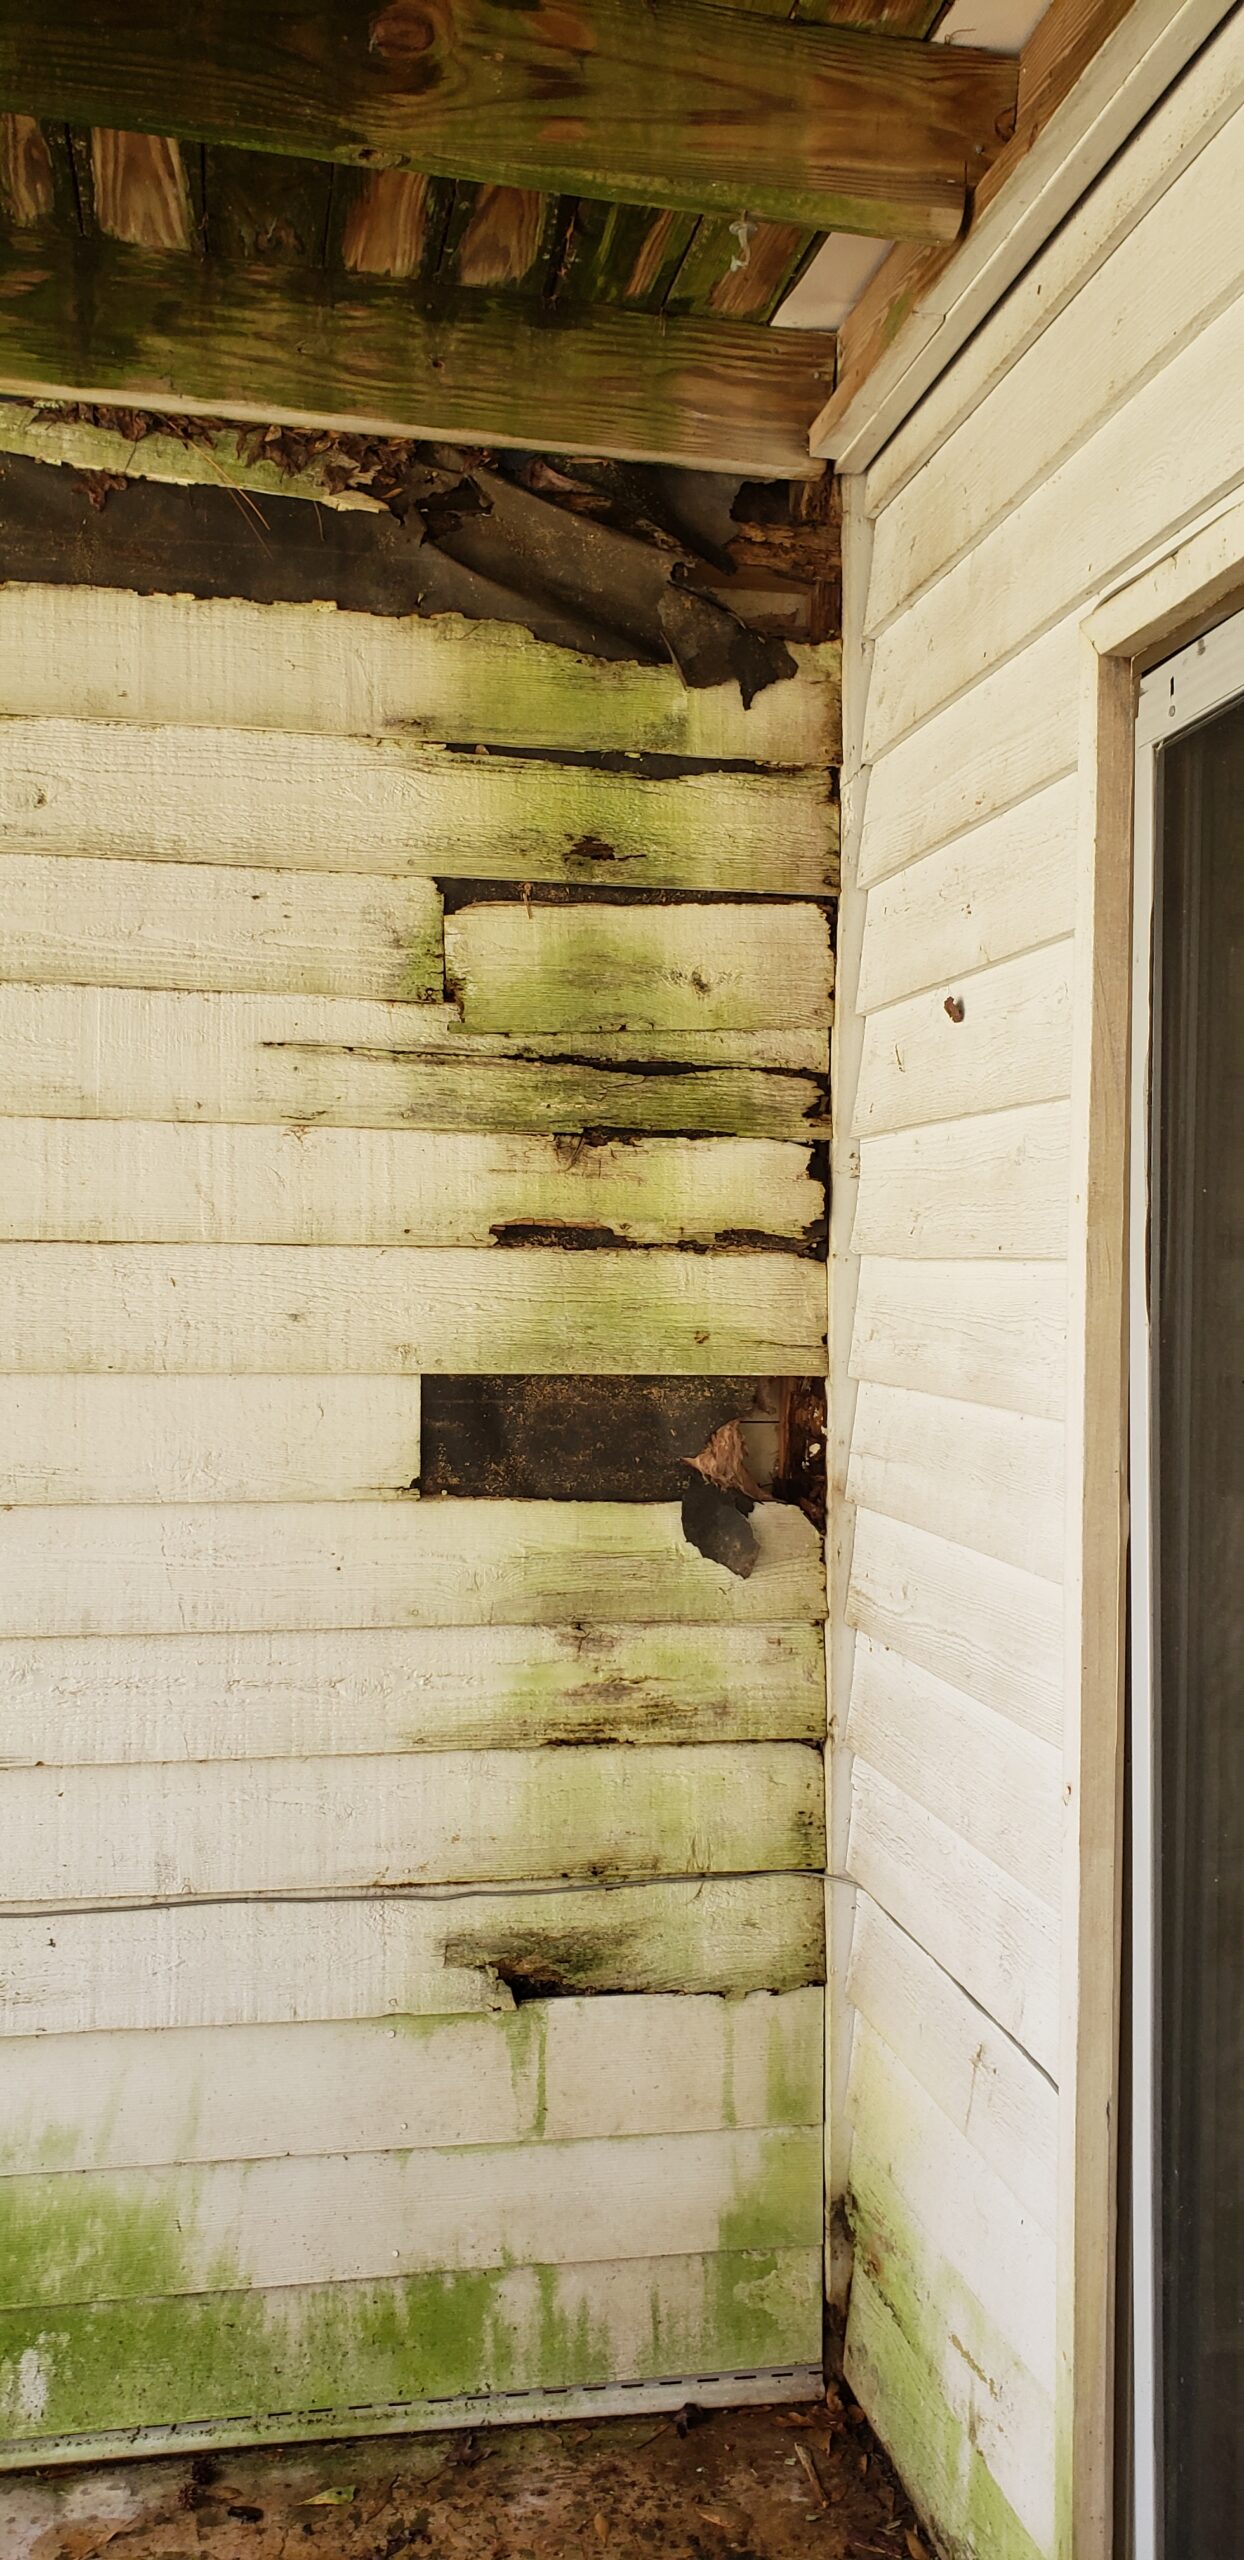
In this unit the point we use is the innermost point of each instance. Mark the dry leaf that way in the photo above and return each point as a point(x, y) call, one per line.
point(600, 2527)
point(330, 2498)
point(723, 1462)
point(915, 2547)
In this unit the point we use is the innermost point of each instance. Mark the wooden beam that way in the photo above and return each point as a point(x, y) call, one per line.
point(93, 320)
point(689, 104)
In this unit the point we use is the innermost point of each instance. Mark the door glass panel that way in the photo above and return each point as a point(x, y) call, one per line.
point(1198, 1475)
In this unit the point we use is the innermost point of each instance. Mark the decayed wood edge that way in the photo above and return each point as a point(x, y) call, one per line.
point(88, 320)
point(1090, 74)
point(821, 125)
point(210, 460)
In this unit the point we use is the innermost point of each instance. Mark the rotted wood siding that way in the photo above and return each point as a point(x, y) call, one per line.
point(1090, 423)
point(414, 1045)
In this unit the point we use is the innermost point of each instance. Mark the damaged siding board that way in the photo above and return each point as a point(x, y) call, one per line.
point(94, 653)
point(157, 1182)
point(76, 1701)
point(668, 968)
point(557, 2071)
point(248, 1963)
point(381, 1310)
point(412, 1962)
point(115, 791)
point(117, 1054)
point(268, 1566)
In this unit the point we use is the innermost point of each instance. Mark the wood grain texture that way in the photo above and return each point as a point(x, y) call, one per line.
point(390, 1310)
point(989, 1479)
point(395, 1956)
point(1002, 890)
point(99, 653)
point(88, 320)
point(987, 1041)
point(278, 798)
point(994, 1936)
point(991, 1629)
point(1012, 733)
point(202, 926)
point(605, 968)
point(984, 1333)
point(972, 2070)
point(996, 1786)
point(224, 1569)
point(89, 1440)
point(482, 1817)
point(168, 1182)
point(703, 108)
point(594, 2069)
point(27, 189)
point(991, 1187)
point(81, 1701)
point(139, 191)
point(1004, 2256)
point(111, 1053)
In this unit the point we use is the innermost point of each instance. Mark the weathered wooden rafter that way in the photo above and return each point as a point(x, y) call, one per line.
point(712, 109)
point(90, 319)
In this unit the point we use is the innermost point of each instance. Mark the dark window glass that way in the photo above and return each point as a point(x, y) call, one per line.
point(1198, 1286)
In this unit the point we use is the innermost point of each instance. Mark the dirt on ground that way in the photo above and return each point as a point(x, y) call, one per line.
point(804, 2483)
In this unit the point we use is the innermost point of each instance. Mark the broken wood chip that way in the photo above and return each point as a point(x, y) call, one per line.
point(803, 2457)
point(723, 1462)
point(916, 2548)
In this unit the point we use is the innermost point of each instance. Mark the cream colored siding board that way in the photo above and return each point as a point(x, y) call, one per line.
point(147, 2364)
point(89, 1440)
point(990, 1479)
point(998, 1039)
point(997, 1786)
point(984, 1333)
point(363, 1310)
point(267, 1827)
point(76, 1701)
point(190, 925)
point(1003, 889)
point(374, 2214)
point(162, 1182)
point(989, 1188)
point(995, 1937)
point(393, 1956)
point(954, 2197)
point(976, 2074)
point(1141, 476)
point(294, 801)
point(254, 1567)
point(608, 968)
point(1008, 737)
point(592, 2069)
point(988, 1628)
point(113, 1054)
point(1125, 325)
point(910, 2397)
point(104, 654)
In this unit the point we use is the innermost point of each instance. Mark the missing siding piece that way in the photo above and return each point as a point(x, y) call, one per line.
point(580, 1439)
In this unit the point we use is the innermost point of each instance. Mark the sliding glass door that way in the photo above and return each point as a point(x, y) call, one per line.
point(1188, 1671)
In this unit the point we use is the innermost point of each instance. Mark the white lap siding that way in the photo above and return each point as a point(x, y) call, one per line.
point(1054, 457)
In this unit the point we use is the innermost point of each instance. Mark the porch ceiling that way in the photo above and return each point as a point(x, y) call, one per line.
point(552, 225)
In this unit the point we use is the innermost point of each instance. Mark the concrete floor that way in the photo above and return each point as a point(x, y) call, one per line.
point(755, 2484)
